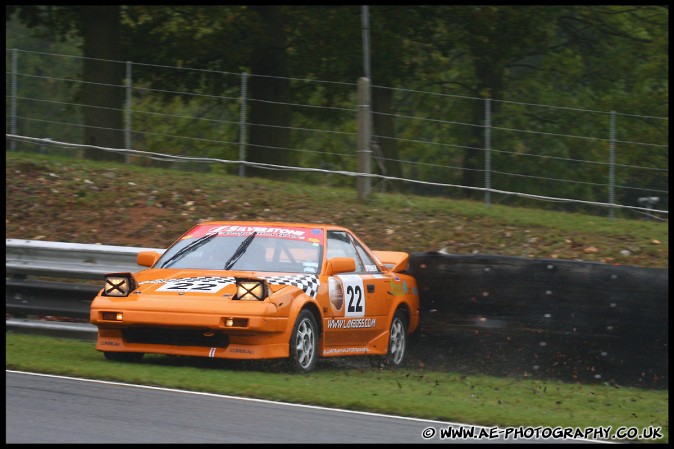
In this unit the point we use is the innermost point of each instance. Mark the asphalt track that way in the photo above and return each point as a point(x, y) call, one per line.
point(47, 409)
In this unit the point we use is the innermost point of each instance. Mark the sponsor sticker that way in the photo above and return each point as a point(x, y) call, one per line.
point(293, 233)
point(354, 323)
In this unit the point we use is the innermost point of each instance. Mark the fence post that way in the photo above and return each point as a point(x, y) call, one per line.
point(242, 125)
point(487, 152)
point(611, 165)
point(363, 183)
point(127, 125)
point(14, 87)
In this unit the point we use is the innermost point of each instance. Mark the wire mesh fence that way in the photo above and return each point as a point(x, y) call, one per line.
point(426, 143)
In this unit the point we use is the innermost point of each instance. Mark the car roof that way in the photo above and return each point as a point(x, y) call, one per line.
point(323, 226)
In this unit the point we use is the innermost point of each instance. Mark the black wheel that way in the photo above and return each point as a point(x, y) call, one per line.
point(124, 356)
point(304, 343)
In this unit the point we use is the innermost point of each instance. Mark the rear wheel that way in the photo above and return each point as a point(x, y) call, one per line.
point(124, 356)
point(304, 343)
point(397, 344)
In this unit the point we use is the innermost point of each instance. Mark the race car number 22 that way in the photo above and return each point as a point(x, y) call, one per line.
point(191, 286)
point(353, 295)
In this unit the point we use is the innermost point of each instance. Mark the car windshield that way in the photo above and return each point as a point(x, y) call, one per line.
point(288, 250)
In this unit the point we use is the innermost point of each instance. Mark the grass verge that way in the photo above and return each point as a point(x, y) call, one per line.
point(79, 201)
point(441, 396)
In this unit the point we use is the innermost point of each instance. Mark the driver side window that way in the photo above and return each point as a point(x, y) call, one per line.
point(339, 245)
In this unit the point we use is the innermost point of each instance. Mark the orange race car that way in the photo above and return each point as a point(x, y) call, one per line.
point(260, 290)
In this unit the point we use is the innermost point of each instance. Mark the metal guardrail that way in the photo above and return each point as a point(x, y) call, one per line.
point(65, 261)
point(34, 297)
point(69, 260)
point(61, 329)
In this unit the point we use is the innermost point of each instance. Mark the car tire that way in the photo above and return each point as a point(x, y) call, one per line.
point(397, 344)
point(304, 343)
point(124, 356)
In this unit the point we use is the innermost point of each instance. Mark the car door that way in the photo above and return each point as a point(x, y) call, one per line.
point(365, 296)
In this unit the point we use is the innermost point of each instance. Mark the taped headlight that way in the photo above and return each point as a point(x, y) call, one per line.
point(251, 289)
point(119, 284)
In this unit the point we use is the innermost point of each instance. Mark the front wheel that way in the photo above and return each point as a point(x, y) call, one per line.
point(304, 343)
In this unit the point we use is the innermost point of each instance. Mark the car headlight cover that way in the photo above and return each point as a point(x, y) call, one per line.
point(119, 284)
point(251, 289)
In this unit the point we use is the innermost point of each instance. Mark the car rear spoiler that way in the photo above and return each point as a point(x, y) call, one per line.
point(395, 261)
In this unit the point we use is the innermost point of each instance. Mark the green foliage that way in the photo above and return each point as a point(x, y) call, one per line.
point(44, 102)
point(187, 126)
point(439, 62)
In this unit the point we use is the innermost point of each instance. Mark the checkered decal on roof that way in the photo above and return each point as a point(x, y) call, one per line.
point(307, 282)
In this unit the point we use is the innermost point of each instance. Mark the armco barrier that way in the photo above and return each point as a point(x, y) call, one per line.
point(489, 314)
point(69, 260)
point(60, 260)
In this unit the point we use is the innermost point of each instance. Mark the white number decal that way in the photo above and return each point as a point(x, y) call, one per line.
point(190, 286)
point(354, 295)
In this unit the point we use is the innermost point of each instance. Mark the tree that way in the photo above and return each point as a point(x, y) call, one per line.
point(270, 115)
point(104, 79)
point(103, 74)
point(230, 39)
point(580, 56)
point(328, 44)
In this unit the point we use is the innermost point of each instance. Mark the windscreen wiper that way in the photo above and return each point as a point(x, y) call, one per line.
point(239, 251)
point(189, 248)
